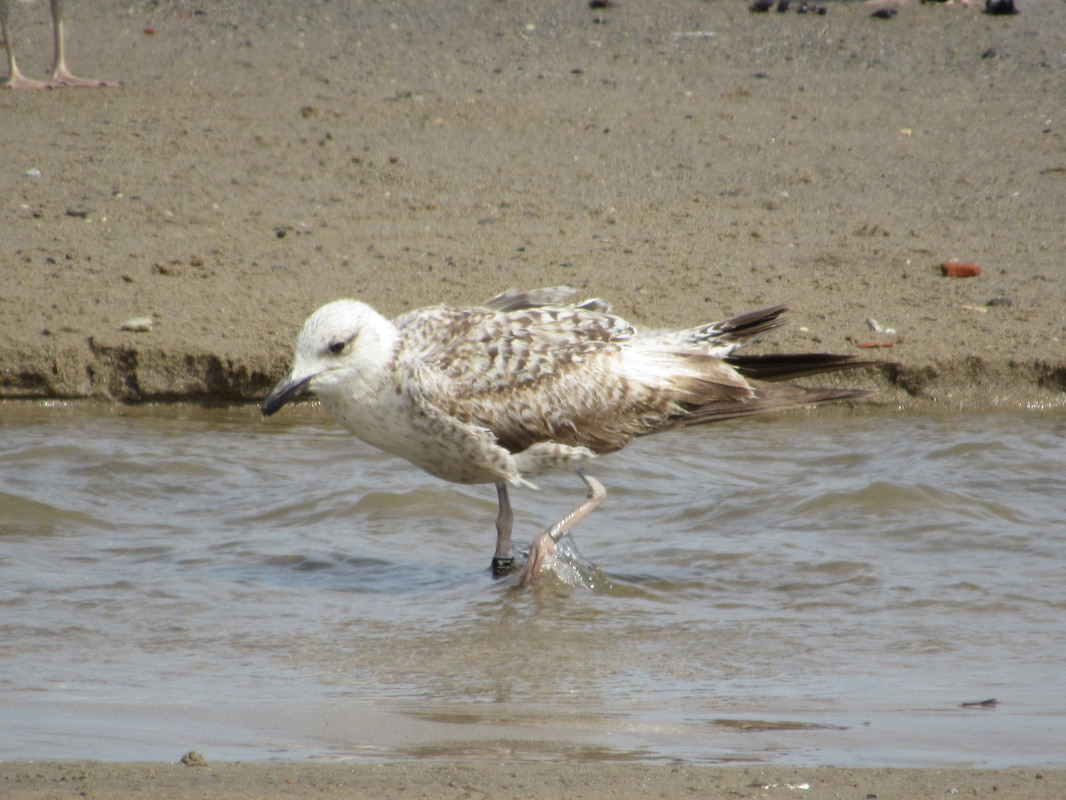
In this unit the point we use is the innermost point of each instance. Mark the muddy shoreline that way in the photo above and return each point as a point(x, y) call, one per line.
point(592, 781)
point(689, 162)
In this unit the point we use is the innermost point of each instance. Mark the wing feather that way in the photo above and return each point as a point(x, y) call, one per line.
point(489, 352)
point(531, 369)
point(542, 374)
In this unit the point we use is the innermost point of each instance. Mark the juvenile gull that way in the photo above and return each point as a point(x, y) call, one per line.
point(530, 382)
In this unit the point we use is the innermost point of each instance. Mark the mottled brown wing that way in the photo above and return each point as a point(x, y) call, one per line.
point(532, 375)
point(490, 352)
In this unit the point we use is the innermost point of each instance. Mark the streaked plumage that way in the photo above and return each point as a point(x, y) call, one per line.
point(530, 382)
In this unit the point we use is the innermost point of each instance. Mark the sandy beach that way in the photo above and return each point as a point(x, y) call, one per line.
point(687, 160)
point(578, 780)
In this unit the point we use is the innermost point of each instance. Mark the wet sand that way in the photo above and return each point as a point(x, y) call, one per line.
point(688, 160)
point(473, 780)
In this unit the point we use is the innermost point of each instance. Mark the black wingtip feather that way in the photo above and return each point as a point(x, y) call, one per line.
point(785, 366)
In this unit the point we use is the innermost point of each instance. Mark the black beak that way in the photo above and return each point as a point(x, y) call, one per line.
point(285, 391)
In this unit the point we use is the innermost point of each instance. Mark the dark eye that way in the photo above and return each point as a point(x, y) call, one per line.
point(337, 347)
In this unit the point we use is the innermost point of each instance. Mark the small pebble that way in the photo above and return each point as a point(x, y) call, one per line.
point(876, 327)
point(137, 324)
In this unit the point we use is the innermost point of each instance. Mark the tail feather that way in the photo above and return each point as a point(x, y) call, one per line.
point(782, 366)
point(759, 391)
point(718, 339)
point(768, 398)
point(745, 326)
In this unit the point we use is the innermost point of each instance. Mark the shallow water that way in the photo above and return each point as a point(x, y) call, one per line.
point(813, 588)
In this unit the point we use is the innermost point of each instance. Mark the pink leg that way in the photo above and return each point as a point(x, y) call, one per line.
point(62, 77)
point(60, 74)
point(544, 545)
point(15, 79)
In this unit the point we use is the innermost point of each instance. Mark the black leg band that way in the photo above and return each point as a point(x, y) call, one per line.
point(502, 566)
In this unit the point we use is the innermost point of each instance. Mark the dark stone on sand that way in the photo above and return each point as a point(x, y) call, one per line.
point(1000, 7)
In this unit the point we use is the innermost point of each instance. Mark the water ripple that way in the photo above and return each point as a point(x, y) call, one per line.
point(841, 568)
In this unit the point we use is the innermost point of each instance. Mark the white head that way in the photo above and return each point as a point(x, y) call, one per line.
point(343, 344)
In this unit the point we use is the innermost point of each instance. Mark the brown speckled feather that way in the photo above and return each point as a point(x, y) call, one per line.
point(573, 374)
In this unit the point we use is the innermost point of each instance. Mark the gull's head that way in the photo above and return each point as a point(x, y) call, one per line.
point(338, 345)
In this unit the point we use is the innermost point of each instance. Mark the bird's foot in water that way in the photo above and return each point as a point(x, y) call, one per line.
point(540, 557)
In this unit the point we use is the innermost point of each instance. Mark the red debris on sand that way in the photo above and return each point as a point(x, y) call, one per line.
point(875, 344)
point(960, 269)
